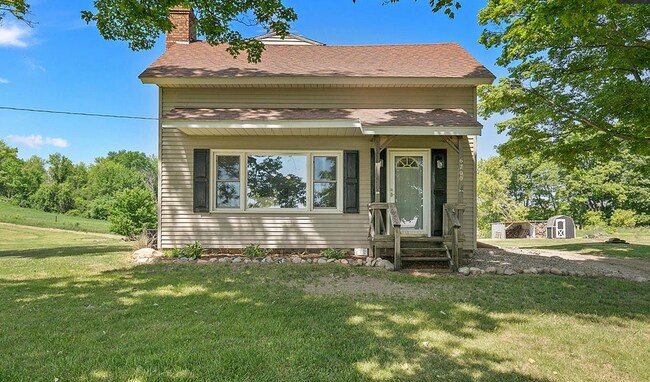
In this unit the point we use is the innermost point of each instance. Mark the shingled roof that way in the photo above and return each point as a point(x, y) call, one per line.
point(367, 117)
point(202, 60)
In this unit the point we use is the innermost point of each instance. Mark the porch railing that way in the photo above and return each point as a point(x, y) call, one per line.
point(454, 214)
point(379, 222)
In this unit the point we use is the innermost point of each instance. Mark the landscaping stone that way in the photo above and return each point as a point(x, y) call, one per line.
point(491, 270)
point(389, 266)
point(474, 270)
point(201, 261)
point(322, 261)
point(500, 271)
point(463, 271)
point(331, 260)
point(295, 259)
point(509, 272)
point(237, 260)
point(147, 252)
point(556, 271)
point(344, 261)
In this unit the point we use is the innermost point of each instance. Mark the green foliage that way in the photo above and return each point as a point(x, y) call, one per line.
point(17, 8)
point(594, 219)
point(579, 77)
point(493, 201)
point(622, 218)
point(132, 211)
point(140, 23)
point(191, 251)
point(9, 169)
point(334, 253)
point(254, 250)
point(53, 197)
point(588, 190)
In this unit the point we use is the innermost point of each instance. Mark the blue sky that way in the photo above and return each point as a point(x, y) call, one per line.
point(62, 64)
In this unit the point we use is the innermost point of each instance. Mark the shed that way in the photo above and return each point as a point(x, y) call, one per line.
point(560, 227)
point(529, 229)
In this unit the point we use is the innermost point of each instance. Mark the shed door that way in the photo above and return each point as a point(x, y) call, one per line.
point(561, 228)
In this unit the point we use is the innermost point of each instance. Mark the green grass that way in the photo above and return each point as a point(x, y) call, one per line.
point(638, 238)
point(10, 213)
point(74, 308)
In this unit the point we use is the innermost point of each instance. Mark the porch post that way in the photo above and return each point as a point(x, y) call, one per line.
point(461, 175)
point(377, 197)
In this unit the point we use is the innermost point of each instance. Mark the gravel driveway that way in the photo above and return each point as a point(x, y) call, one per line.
point(522, 260)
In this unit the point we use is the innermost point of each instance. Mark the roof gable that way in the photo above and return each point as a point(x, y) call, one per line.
point(415, 61)
point(289, 39)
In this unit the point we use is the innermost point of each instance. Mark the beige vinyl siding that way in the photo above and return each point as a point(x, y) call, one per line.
point(179, 225)
point(413, 98)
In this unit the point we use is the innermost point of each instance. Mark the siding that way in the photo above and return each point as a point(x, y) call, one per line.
point(179, 225)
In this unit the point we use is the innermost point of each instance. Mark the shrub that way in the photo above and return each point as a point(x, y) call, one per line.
point(254, 250)
point(143, 240)
point(623, 218)
point(192, 251)
point(132, 211)
point(594, 219)
point(333, 253)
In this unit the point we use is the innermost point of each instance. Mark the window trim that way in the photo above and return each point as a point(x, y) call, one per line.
point(243, 181)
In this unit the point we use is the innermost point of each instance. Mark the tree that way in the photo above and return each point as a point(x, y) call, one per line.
point(59, 168)
point(579, 76)
point(9, 169)
point(30, 178)
point(493, 202)
point(17, 8)
point(132, 211)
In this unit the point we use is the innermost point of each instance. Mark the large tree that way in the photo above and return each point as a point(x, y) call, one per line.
point(579, 76)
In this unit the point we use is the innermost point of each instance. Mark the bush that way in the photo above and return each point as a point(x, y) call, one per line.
point(192, 251)
point(254, 250)
point(334, 253)
point(132, 211)
point(594, 219)
point(623, 218)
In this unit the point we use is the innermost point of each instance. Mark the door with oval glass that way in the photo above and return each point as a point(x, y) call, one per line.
point(409, 187)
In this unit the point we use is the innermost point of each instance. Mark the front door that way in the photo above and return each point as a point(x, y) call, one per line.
point(410, 189)
point(561, 228)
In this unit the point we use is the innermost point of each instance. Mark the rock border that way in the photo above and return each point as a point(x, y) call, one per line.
point(510, 271)
point(151, 256)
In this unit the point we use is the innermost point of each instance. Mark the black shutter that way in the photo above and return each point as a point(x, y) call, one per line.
point(351, 179)
point(382, 176)
point(438, 189)
point(201, 180)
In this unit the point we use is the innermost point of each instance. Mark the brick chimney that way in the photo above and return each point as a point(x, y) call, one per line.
point(184, 31)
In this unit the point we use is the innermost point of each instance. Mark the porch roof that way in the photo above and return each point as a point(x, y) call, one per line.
point(345, 122)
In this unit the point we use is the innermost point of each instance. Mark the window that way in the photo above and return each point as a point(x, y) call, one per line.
point(228, 184)
point(276, 181)
point(325, 189)
point(269, 181)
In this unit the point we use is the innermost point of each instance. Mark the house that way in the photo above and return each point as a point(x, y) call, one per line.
point(371, 148)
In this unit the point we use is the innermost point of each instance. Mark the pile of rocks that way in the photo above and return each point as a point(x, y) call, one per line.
point(507, 271)
point(150, 256)
point(529, 261)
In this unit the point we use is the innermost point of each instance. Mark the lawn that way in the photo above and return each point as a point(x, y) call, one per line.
point(75, 309)
point(638, 238)
point(10, 213)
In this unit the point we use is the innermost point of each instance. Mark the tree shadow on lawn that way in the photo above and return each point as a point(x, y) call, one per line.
point(64, 251)
point(191, 322)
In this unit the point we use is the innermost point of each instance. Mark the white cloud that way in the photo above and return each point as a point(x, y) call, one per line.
point(37, 141)
point(14, 35)
point(4, 80)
